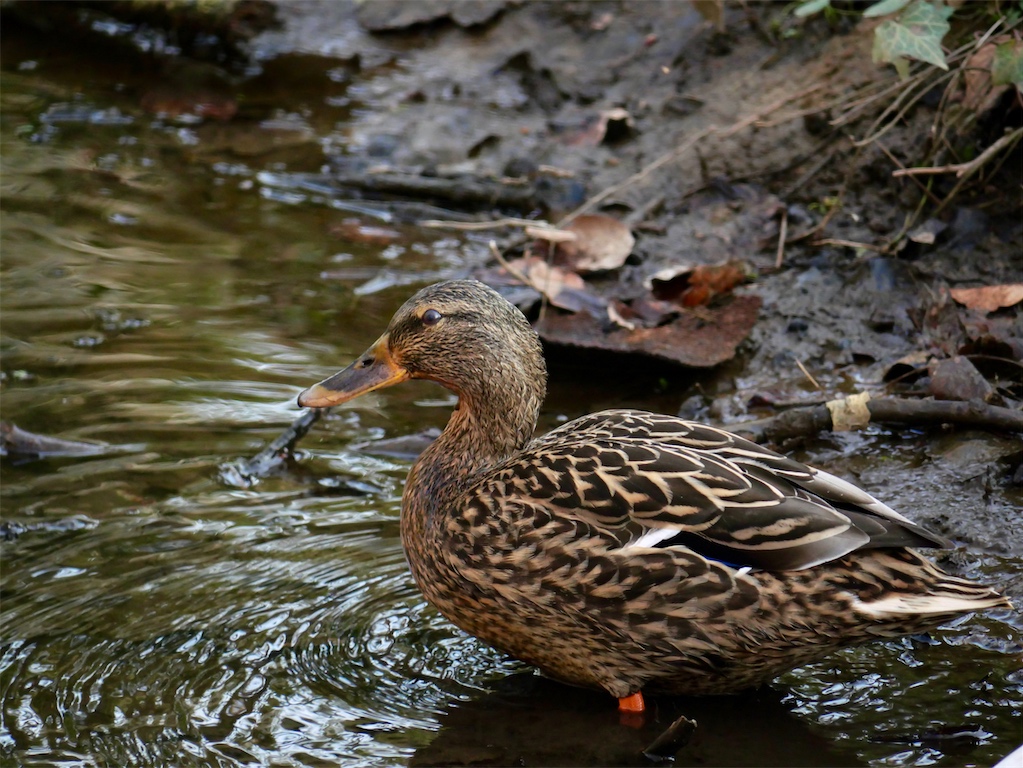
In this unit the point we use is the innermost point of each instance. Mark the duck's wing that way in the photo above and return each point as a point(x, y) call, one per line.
point(654, 481)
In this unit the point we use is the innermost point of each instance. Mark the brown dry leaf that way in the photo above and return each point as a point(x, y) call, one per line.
point(698, 340)
point(697, 286)
point(988, 298)
point(908, 368)
point(564, 289)
point(616, 317)
point(595, 129)
point(713, 11)
point(979, 93)
point(600, 243)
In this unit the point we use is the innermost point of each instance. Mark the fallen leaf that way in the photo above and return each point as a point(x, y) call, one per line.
point(564, 289)
point(694, 286)
point(712, 11)
point(599, 243)
point(1007, 68)
point(908, 368)
point(652, 312)
point(980, 90)
point(698, 340)
point(616, 317)
point(988, 298)
point(595, 129)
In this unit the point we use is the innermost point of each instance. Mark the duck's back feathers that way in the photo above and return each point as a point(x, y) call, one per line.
point(656, 481)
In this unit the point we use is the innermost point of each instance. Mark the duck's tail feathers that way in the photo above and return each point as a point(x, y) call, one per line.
point(897, 606)
point(916, 588)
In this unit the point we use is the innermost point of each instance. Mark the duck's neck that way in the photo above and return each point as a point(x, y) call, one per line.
point(480, 434)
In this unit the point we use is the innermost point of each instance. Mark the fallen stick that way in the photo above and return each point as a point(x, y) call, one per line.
point(964, 169)
point(245, 473)
point(800, 422)
point(456, 190)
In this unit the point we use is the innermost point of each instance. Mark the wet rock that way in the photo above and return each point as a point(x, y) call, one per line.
point(958, 379)
point(391, 15)
point(17, 442)
point(927, 233)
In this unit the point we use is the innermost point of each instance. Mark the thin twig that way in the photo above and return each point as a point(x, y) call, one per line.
point(857, 106)
point(849, 244)
point(808, 375)
point(783, 232)
point(962, 170)
point(512, 270)
point(478, 226)
point(877, 132)
point(933, 198)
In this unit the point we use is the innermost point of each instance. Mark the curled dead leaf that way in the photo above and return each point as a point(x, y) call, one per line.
point(694, 286)
point(610, 124)
point(564, 289)
point(988, 298)
point(980, 90)
point(616, 317)
point(599, 243)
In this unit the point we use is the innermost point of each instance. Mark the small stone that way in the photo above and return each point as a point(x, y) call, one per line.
point(958, 379)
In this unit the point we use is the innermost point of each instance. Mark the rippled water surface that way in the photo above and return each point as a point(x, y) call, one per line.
point(163, 294)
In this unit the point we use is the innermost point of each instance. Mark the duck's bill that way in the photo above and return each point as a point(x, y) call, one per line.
point(374, 369)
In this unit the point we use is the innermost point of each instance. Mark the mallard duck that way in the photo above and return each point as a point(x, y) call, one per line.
point(631, 551)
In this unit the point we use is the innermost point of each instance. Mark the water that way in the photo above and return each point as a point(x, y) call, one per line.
point(163, 294)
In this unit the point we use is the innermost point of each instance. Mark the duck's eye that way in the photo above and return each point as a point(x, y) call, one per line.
point(431, 317)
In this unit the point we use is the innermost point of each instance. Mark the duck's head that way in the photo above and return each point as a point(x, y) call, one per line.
point(459, 333)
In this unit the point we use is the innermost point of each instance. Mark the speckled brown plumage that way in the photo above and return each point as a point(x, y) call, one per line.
point(628, 550)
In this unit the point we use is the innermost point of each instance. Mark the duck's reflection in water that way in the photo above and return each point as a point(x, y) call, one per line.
point(527, 720)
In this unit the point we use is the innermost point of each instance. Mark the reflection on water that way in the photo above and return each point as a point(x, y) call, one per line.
point(155, 299)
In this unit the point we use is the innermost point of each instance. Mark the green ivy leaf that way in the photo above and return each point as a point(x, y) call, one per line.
point(915, 33)
point(811, 7)
point(885, 7)
point(1007, 66)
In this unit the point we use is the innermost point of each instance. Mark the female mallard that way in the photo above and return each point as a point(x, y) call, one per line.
point(627, 550)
